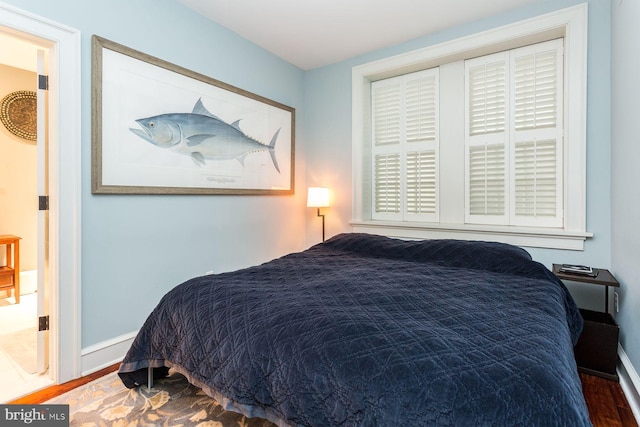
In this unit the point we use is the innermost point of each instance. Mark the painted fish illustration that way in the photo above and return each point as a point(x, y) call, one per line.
point(202, 136)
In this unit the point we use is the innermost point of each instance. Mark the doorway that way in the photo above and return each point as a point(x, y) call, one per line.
point(23, 148)
point(60, 264)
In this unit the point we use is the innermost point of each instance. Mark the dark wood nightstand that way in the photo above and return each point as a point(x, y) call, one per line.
point(597, 349)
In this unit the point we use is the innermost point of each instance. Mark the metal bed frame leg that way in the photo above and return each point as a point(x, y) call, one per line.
point(149, 377)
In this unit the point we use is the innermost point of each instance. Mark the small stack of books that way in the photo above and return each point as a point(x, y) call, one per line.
point(578, 269)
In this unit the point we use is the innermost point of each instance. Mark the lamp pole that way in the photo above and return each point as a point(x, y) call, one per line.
point(322, 223)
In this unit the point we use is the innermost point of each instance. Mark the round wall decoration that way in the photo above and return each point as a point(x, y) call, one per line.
point(18, 114)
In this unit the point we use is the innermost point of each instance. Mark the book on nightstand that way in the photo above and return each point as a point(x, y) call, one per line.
point(582, 270)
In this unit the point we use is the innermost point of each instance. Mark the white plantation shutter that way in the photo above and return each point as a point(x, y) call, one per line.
point(537, 135)
point(421, 95)
point(405, 135)
point(486, 139)
point(387, 104)
point(514, 137)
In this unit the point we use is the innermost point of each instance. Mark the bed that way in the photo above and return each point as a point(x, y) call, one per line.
point(365, 330)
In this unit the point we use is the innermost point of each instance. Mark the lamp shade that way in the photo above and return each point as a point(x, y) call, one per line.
point(318, 197)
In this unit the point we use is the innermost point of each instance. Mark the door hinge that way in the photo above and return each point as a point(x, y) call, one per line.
point(43, 82)
point(43, 323)
point(43, 203)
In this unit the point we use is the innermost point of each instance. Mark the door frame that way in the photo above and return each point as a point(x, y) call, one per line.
point(64, 130)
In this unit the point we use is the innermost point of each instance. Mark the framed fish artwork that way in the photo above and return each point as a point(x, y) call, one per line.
point(158, 128)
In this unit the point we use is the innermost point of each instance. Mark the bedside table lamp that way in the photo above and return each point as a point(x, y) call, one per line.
point(318, 197)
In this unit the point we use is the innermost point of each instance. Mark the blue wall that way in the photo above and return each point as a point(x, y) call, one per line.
point(625, 180)
point(135, 248)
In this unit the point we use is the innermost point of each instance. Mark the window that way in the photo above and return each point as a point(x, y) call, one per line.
point(486, 141)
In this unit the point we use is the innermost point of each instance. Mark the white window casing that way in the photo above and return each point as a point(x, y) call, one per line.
point(558, 221)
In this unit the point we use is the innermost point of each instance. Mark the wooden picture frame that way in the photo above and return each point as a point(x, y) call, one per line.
point(158, 128)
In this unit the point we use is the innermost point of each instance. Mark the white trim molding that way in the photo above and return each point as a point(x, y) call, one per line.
point(570, 24)
point(106, 353)
point(519, 236)
point(630, 382)
point(64, 130)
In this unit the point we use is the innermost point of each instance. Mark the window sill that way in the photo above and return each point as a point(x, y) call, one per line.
point(549, 238)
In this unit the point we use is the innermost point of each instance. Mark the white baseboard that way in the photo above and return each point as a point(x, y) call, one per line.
point(106, 353)
point(28, 282)
point(630, 382)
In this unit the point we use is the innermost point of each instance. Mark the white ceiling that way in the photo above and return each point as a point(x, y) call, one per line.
point(314, 33)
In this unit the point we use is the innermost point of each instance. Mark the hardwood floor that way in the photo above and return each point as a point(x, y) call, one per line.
point(608, 407)
point(56, 390)
point(607, 404)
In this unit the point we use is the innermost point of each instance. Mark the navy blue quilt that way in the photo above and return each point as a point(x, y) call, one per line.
point(364, 330)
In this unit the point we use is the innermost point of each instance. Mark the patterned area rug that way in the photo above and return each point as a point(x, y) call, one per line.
point(172, 401)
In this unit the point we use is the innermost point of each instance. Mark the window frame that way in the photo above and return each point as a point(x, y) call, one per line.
point(570, 24)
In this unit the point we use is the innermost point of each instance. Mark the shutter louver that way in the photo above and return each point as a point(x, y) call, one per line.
point(535, 179)
point(486, 180)
point(387, 115)
point(421, 182)
point(536, 90)
point(487, 98)
point(387, 183)
point(421, 109)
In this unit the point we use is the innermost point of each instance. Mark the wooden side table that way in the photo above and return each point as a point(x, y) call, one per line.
point(597, 349)
point(603, 277)
point(10, 273)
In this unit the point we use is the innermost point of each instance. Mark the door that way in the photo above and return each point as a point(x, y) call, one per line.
point(43, 215)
